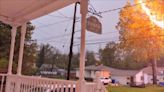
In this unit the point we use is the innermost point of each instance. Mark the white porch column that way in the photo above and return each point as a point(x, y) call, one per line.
point(83, 11)
point(23, 32)
point(13, 34)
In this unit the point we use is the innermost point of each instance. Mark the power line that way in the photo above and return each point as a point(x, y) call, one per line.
point(58, 22)
point(54, 16)
point(124, 7)
point(115, 9)
point(57, 37)
point(112, 10)
point(95, 43)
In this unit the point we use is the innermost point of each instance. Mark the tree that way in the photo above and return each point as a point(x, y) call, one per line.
point(29, 49)
point(41, 57)
point(139, 37)
point(107, 55)
point(90, 58)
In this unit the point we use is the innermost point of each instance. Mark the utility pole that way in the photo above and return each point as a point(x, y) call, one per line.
point(71, 45)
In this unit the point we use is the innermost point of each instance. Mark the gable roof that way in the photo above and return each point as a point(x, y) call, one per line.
point(148, 70)
point(47, 67)
point(119, 72)
point(96, 68)
point(113, 71)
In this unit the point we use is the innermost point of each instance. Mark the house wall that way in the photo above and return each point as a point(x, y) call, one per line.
point(141, 77)
point(88, 74)
point(146, 79)
point(123, 80)
point(91, 74)
point(160, 78)
point(48, 72)
point(104, 73)
point(77, 73)
point(138, 77)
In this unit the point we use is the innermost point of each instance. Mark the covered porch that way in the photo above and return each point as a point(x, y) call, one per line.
point(17, 13)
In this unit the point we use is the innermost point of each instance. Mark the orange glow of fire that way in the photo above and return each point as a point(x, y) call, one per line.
point(159, 23)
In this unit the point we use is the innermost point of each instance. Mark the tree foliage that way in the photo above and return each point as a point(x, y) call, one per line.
point(107, 55)
point(138, 35)
point(48, 54)
point(110, 56)
point(29, 49)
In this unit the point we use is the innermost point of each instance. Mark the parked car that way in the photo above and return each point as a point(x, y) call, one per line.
point(105, 80)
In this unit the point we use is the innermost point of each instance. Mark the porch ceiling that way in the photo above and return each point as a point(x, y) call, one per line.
point(20, 11)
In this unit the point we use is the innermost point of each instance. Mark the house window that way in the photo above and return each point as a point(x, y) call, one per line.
point(142, 78)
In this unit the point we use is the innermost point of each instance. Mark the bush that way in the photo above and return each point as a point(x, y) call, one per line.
point(4, 66)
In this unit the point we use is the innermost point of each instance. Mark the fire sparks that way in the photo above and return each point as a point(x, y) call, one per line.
point(153, 18)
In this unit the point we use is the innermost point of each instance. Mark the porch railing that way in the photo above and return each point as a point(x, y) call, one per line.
point(16, 83)
point(37, 84)
point(2, 82)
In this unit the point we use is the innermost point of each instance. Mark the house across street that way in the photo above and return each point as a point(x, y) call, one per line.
point(123, 77)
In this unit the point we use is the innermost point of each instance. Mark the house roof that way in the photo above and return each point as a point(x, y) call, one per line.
point(47, 67)
point(148, 70)
point(114, 71)
point(119, 72)
point(96, 68)
point(20, 11)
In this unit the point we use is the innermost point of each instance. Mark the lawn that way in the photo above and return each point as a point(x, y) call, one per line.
point(132, 89)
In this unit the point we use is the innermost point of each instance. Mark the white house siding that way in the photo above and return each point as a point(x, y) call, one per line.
point(123, 80)
point(48, 72)
point(139, 77)
point(146, 79)
point(93, 74)
point(88, 74)
point(77, 73)
point(150, 78)
point(159, 77)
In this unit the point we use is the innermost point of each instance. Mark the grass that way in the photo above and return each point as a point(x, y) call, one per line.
point(132, 89)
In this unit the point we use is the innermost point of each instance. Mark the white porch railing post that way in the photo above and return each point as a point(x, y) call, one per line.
point(8, 83)
point(23, 32)
point(17, 87)
point(83, 11)
point(13, 35)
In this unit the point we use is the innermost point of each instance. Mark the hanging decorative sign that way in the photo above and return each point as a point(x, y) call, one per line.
point(94, 25)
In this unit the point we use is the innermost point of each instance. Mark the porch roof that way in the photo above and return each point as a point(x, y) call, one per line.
point(20, 11)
